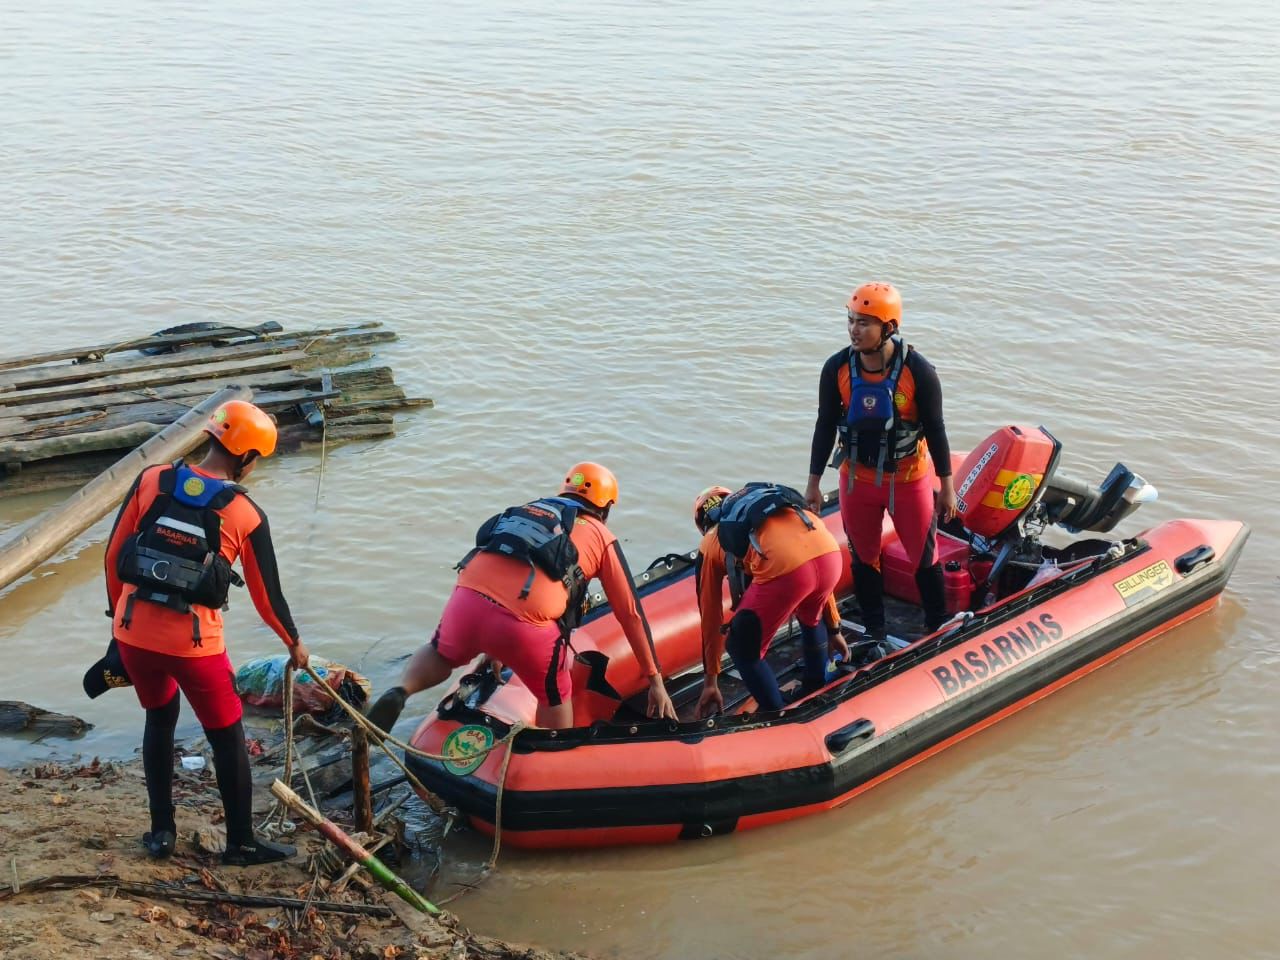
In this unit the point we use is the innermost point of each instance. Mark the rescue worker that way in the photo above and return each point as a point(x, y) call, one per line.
point(780, 560)
point(882, 400)
point(168, 569)
point(521, 592)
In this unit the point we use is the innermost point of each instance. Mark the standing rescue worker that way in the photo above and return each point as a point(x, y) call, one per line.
point(521, 592)
point(882, 400)
point(168, 568)
point(780, 560)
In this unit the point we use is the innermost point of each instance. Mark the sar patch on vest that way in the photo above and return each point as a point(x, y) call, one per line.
point(174, 559)
point(873, 432)
point(996, 654)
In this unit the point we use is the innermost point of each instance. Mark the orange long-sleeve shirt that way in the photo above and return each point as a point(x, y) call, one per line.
point(501, 579)
point(787, 543)
point(245, 536)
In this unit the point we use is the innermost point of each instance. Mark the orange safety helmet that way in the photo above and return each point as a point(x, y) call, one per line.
point(592, 482)
point(243, 428)
point(706, 500)
point(879, 300)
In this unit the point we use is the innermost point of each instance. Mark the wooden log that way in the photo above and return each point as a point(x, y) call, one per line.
point(20, 426)
point(170, 891)
point(115, 438)
point(30, 378)
point(193, 391)
point(303, 436)
point(158, 411)
point(362, 795)
point(345, 380)
point(16, 716)
point(95, 353)
point(230, 369)
point(362, 394)
point(34, 545)
point(360, 418)
point(342, 358)
point(54, 474)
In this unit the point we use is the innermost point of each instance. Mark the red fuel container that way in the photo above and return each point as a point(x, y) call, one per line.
point(900, 576)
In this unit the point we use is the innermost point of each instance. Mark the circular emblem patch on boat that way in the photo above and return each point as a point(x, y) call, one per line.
point(1019, 491)
point(465, 748)
point(193, 486)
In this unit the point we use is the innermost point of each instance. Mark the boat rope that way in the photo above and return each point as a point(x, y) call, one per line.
point(386, 742)
point(324, 450)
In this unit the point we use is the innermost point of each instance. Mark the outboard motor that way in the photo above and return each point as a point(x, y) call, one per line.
point(1008, 492)
point(1080, 506)
point(1000, 479)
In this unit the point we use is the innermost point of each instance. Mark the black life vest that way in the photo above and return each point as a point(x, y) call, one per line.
point(174, 559)
point(737, 518)
point(539, 533)
point(873, 432)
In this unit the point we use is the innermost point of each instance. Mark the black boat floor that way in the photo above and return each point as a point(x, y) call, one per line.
point(904, 622)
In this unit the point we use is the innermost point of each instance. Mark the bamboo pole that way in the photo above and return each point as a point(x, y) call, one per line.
point(330, 831)
point(33, 546)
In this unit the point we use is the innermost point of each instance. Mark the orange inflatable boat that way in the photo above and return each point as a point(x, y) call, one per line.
point(1029, 619)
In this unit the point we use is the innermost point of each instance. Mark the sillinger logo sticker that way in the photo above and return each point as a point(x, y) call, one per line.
point(1148, 581)
point(466, 748)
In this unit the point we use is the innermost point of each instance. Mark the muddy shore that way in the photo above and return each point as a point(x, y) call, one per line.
point(85, 821)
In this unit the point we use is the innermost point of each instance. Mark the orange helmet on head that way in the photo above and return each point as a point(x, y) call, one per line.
point(594, 483)
point(243, 428)
point(879, 300)
point(707, 499)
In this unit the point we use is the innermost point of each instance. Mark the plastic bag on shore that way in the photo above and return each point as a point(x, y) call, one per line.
point(260, 683)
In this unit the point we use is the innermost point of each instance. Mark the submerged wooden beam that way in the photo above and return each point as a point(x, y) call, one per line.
point(51, 532)
point(16, 716)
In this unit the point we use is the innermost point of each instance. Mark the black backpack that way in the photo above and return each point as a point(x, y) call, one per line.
point(741, 514)
point(174, 558)
point(538, 533)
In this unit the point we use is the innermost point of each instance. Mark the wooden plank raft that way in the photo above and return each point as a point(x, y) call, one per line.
point(67, 414)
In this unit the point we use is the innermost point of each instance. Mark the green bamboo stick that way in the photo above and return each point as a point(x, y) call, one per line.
point(331, 832)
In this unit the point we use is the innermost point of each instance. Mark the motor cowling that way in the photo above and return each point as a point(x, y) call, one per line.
point(1002, 477)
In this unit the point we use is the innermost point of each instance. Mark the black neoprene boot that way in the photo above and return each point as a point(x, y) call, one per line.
point(157, 766)
point(933, 596)
point(868, 587)
point(387, 709)
point(257, 851)
point(231, 764)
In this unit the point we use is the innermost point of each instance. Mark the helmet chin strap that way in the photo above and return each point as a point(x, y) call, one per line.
point(887, 333)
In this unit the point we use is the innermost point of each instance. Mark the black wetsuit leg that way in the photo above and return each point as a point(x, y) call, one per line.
point(157, 764)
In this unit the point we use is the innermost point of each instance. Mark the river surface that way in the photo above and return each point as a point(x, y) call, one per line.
point(625, 232)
